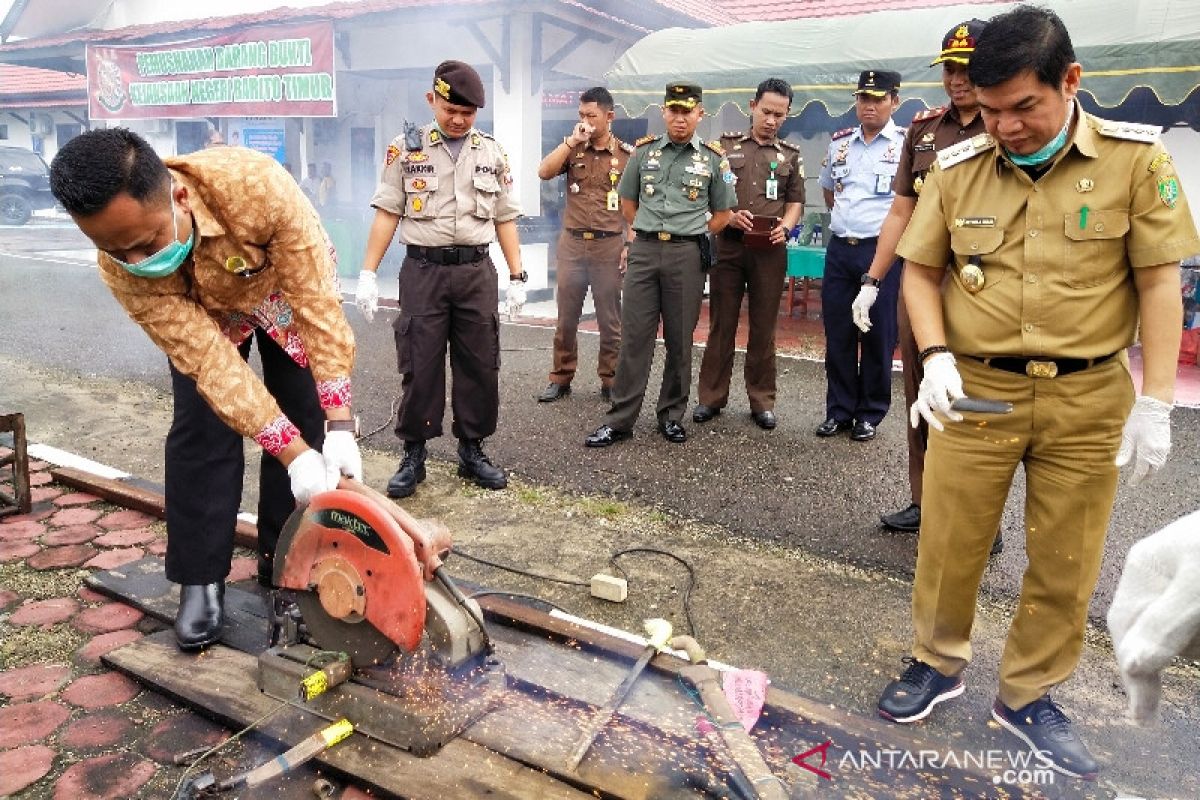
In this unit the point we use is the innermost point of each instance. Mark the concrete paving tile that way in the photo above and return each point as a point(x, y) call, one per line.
point(76, 534)
point(92, 596)
point(102, 729)
point(75, 499)
point(44, 612)
point(24, 766)
point(7, 598)
point(109, 777)
point(157, 548)
point(106, 643)
point(29, 723)
point(15, 551)
point(71, 555)
point(107, 618)
point(242, 569)
point(111, 559)
point(74, 516)
point(99, 691)
point(40, 494)
point(38, 513)
point(180, 733)
point(27, 683)
point(125, 518)
point(23, 531)
point(126, 537)
point(40, 479)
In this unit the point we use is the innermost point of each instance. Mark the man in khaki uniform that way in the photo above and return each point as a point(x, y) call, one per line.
point(1063, 232)
point(591, 248)
point(752, 260)
point(206, 252)
point(446, 186)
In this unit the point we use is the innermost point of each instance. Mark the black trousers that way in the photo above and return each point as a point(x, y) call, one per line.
point(455, 305)
point(205, 465)
point(859, 379)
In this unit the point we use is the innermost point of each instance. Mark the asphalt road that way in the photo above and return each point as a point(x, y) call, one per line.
point(785, 486)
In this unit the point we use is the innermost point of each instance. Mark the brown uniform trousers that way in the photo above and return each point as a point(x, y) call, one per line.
point(1066, 432)
point(584, 262)
point(738, 271)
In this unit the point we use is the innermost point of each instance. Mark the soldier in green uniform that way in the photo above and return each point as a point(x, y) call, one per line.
point(1063, 235)
point(670, 186)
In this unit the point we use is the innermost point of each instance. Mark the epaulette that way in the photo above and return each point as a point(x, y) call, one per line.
point(646, 140)
point(715, 146)
point(1126, 130)
point(842, 134)
point(930, 113)
point(626, 147)
point(789, 145)
point(484, 134)
point(733, 135)
point(956, 154)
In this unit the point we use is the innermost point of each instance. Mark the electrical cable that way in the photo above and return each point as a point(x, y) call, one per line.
point(687, 593)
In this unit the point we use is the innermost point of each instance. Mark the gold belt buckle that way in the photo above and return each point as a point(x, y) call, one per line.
point(589, 235)
point(663, 236)
point(1041, 369)
point(851, 240)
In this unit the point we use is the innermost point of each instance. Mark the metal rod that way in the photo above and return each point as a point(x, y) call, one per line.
point(601, 717)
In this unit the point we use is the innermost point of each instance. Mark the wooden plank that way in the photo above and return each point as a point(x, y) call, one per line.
point(221, 685)
point(127, 494)
point(21, 500)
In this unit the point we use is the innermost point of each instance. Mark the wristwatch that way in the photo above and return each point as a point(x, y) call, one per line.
point(867, 280)
point(521, 277)
point(350, 425)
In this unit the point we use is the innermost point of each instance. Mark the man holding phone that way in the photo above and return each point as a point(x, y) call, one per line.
point(751, 258)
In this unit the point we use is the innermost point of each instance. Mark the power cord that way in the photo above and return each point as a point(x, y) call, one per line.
point(687, 592)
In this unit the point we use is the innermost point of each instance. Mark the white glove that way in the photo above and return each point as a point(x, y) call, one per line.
point(940, 387)
point(341, 457)
point(308, 476)
point(1147, 436)
point(515, 297)
point(861, 307)
point(367, 296)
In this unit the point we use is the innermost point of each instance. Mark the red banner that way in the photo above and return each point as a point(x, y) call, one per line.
point(283, 71)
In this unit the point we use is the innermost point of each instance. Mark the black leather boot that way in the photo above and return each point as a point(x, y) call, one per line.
point(476, 466)
point(411, 472)
point(200, 616)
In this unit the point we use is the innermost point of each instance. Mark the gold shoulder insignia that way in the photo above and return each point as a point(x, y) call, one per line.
point(1130, 131)
point(484, 134)
point(715, 146)
point(789, 145)
point(842, 134)
point(964, 151)
point(930, 113)
point(646, 140)
point(626, 147)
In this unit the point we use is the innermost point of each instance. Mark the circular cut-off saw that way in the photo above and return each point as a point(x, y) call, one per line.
point(368, 580)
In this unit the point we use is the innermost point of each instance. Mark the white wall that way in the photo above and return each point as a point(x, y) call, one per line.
point(1184, 144)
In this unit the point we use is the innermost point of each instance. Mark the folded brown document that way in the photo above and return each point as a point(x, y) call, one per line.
point(759, 235)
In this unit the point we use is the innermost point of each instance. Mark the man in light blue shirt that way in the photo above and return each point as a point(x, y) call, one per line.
point(856, 178)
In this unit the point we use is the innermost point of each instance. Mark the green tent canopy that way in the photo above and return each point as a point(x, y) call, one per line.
point(1122, 44)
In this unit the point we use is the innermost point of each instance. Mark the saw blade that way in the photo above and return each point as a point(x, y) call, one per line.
point(286, 534)
point(361, 640)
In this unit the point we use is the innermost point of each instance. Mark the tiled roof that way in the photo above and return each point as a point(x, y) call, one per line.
point(16, 80)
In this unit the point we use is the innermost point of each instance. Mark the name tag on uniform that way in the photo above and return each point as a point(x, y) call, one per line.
point(839, 171)
point(975, 222)
point(699, 169)
point(772, 189)
point(883, 184)
point(612, 202)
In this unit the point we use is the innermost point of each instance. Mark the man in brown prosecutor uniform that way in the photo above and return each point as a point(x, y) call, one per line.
point(591, 248)
point(1063, 234)
point(752, 260)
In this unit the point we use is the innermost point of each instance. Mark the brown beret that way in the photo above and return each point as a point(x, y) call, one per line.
point(458, 83)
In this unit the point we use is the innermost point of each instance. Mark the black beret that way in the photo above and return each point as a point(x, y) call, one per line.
point(458, 83)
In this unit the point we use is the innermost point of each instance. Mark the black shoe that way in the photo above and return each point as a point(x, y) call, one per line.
point(475, 466)
point(604, 436)
point(702, 413)
point(555, 391)
point(863, 431)
point(908, 520)
point(764, 419)
point(997, 544)
point(200, 616)
point(914, 694)
point(606, 394)
point(673, 432)
point(410, 473)
point(1045, 728)
point(832, 427)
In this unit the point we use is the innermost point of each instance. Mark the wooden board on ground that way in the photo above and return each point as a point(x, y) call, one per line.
point(221, 685)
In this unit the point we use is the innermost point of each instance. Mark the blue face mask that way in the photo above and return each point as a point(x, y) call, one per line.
point(167, 260)
point(1052, 147)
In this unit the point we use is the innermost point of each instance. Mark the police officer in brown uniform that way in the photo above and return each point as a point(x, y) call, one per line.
point(1063, 234)
point(676, 190)
point(752, 259)
point(591, 248)
point(446, 185)
point(931, 130)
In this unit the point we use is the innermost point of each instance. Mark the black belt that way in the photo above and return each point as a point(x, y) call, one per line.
point(663, 236)
point(448, 255)
point(1042, 367)
point(854, 241)
point(589, 235)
